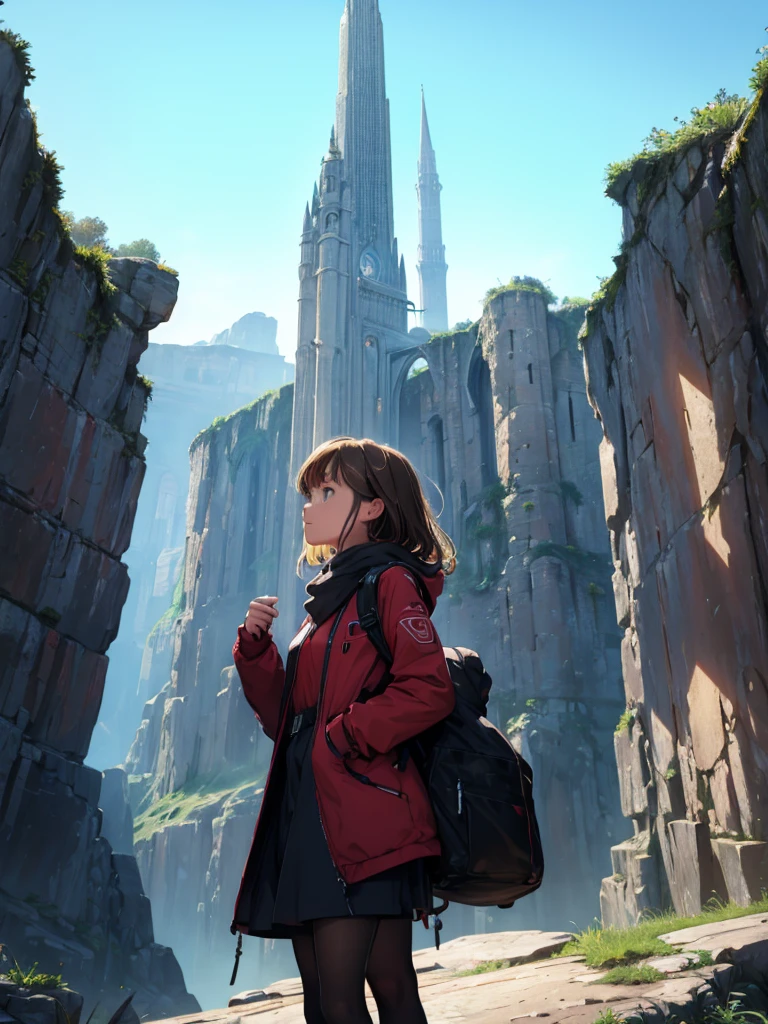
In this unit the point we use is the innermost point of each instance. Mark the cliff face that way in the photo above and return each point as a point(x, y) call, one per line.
point(71, 405)
point(191, 386)
point(500, 421)
point(197, 765)
point(676, 357)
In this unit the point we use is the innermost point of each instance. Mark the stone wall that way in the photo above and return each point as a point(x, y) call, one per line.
point(71, 465)
point(500, 422)
point(197, 765)
point(676, 358)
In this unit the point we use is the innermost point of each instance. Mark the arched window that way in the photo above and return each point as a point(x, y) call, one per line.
point(332, 222)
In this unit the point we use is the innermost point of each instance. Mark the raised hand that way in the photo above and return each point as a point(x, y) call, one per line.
point(261, 615)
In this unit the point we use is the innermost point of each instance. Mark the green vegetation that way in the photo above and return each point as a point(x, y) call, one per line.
point(40, 294)
point(609, 1017)
point(147, 384)
point(31, 978)
point(197, 792)
point(485, 968)
point(583, 561)
point(51, 177)
point(528, 506)
point(20, 49)
point(571, 493)
point(96, 259)
point(142, 248)
point(88, 232)
point(222, 421)
point(49, 616)
point(626, 720)
point(594, 590)
point(630, 975)
point(167, 269)
point(612, 947)
point(571, 312)
point(91, 233)
point(720, 117)
point(523, 284)
point(176, 608)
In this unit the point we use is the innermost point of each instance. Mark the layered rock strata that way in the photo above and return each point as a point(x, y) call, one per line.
point(676, 357)
point(71, 466)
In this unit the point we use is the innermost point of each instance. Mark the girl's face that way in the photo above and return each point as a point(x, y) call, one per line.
point(326, 512)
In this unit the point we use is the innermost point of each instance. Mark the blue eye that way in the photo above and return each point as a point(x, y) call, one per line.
point(327, 490)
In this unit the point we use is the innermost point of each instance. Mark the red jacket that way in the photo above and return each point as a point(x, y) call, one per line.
point(368, 829)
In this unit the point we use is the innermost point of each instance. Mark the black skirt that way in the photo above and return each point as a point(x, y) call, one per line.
point(297, 881)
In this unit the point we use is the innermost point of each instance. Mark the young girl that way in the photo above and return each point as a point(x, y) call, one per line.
point(337, 862)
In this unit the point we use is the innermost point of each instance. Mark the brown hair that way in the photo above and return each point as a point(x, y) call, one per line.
point(375, 470)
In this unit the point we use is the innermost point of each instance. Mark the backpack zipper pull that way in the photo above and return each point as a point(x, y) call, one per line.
point(460, 795)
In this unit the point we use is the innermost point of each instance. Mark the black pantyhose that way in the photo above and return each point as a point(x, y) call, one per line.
point(391, 973)
point(337, 956)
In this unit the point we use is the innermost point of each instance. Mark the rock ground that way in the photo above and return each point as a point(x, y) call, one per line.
point(536, 985)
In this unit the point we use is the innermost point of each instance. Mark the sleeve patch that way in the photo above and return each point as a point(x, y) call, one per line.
point(420, 628)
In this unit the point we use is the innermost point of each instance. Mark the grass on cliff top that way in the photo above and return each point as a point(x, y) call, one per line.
point(221, 421)
point(20, 49)
point(197, 793)
point(523, 284)
point(613, 947)
point(719, 117)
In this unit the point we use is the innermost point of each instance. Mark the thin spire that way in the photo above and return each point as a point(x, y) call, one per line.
point(307, 220)
point(427, 162)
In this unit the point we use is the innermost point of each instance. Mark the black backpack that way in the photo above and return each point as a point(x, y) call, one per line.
point(481, 789)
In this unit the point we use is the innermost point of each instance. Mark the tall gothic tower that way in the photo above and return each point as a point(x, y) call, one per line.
point(353, 342)
point(353, 310)
point(431, 266)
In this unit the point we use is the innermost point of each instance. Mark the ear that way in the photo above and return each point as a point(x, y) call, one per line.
point(374, 509)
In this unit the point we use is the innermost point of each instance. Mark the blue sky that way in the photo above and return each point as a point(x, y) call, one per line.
point(202, 126)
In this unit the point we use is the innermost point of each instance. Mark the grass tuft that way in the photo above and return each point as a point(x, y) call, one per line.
point(626, 720)
point(167, 269)
point(612, 947)
point(630, 974)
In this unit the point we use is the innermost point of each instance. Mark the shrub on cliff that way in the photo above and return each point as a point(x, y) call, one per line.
point(721, 116)
point(523, 284)
point(20, 49)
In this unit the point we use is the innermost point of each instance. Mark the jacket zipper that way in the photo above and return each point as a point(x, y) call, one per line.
point(318, 719)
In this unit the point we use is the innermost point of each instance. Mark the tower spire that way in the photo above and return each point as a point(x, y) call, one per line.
point(427, 161)
point(362, 128)
point(431, 266)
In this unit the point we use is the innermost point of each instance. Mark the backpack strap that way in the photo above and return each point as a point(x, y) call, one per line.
point(368, 607)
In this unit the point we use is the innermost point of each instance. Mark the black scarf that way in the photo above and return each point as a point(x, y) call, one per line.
point(340, 577)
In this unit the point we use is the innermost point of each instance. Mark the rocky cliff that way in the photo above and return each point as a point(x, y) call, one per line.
point(197, 765)
point(72, 328)
point(676, 356)
point(499, 421)
point(191, 387)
